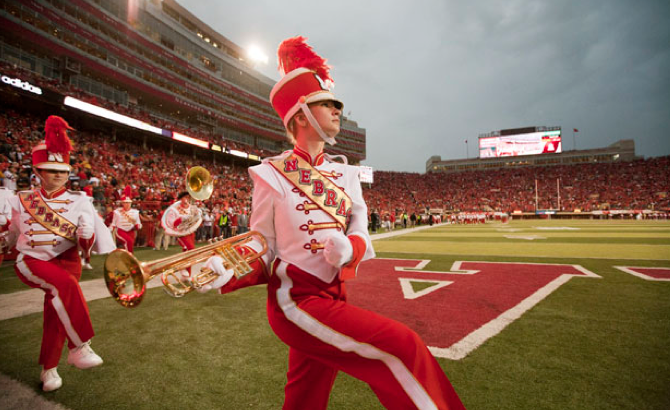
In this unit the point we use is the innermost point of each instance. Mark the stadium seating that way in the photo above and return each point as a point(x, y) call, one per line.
point(155, 177)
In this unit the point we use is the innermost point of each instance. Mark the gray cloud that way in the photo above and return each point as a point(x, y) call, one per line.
point(424, 76)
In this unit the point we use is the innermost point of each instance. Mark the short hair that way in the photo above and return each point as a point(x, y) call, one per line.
point(182, 194)
point(290, 130)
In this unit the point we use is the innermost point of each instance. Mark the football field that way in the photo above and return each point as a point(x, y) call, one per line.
point(525, 315)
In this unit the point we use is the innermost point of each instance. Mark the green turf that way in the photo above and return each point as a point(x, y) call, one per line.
point(528, 249)
point(493, 241)
point(591, 344)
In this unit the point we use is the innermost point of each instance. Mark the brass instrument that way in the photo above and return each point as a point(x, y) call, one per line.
point(199, 183)
point(126, 277)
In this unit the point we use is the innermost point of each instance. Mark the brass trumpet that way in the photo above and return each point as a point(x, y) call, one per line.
point(126, 277)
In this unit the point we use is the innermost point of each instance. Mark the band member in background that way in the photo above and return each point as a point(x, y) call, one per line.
point(181, 220)
point(6, 195)
point(49, 224)
point(311, 211)
point(125, 224)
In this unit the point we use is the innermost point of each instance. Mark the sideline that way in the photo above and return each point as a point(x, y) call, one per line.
point(17, 396)
point(30, 301)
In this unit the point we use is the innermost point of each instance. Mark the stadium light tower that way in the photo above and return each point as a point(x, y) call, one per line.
point(256, 55)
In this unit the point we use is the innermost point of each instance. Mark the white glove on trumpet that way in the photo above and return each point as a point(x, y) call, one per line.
point(338, 250)
point(215, 263)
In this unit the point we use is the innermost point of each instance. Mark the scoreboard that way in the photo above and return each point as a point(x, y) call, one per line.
point(527, 143)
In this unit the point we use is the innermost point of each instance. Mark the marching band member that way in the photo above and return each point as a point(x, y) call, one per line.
point(5, 217)
point(125, 224)
point(5, 211)
point(311, 211)
point(50, 223)
point(181, 220)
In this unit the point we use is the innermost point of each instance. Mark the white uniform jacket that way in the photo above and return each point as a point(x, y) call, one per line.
point(34, 240)
point(292, 224)
point(6, 195)
point(126, 220)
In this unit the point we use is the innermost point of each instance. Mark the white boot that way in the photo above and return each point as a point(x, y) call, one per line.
point(83, 357)
point(50, 379)
point(86, 266)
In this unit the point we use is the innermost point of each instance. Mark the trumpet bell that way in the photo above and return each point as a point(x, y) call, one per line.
point(199, 183)
point(124, 278)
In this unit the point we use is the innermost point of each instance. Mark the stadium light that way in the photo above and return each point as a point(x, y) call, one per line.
point(110, 115)
point(257, 55)
point(237, 153)
point(190, 140)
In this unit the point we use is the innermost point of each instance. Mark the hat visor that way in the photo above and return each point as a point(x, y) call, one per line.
point(56, 166)
point(325, 96)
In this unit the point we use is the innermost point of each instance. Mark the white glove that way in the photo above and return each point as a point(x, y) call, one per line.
point(3, 220)
point(338, 250)
point(85, 231)
point(215, 263)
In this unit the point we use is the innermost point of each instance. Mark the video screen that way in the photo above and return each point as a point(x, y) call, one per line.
point(544, 142)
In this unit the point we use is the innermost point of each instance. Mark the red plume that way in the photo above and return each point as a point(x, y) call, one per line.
point(55, 135)
point(295, 53)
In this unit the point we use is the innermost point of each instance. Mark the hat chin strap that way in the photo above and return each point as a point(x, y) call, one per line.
point(315, 124)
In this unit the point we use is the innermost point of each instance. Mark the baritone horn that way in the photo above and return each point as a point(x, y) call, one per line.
point(199, 183)
point(126, 277)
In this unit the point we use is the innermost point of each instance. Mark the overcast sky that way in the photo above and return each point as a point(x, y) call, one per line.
point(423, 76)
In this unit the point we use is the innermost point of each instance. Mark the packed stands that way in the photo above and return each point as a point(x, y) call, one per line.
point(104, 168)
point(636, 185)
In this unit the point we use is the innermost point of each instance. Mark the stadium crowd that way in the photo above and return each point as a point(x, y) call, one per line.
point(636, 185)
point(129, 110)
point(106, 169)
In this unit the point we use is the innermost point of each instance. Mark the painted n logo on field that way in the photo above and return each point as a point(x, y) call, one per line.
point(655, 274)
point(456, 311)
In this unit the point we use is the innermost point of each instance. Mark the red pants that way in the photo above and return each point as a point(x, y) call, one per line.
point(65, 309)
point(125, 239)
point(187, 242)
point(325, 335)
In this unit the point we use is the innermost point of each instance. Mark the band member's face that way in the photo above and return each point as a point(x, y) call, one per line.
point(53, 179)
point(328, 116)
point(126, 206)
point(185, 200)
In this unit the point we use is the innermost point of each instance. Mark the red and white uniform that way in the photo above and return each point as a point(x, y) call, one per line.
point(6, 195)
point(181, 222)
point(51, 262)
point(125, 225)
point(307, 306)
point(5, 217)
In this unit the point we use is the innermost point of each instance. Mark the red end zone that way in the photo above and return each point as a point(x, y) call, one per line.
point(657, 274)
point(461, 308)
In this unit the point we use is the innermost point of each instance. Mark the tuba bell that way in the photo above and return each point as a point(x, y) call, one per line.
point(199, 183)
point(126, 277)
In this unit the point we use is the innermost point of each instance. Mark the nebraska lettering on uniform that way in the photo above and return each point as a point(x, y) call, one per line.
point(42, 214)
point(291, 165)
point(320, 189)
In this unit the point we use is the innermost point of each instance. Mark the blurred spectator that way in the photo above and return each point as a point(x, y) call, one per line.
point(10, 176)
